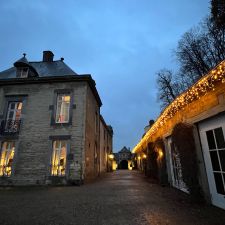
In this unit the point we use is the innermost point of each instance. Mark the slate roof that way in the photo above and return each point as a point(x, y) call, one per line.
point(43, 69)
point(124, 149)
point(46, 71)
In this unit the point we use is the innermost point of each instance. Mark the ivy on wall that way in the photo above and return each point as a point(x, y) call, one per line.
point(152, 167)
point(156, 162)
point(161, 161)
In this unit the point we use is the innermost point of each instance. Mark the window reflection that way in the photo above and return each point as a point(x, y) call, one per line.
point(62, 110)
point(59, 158)
point(6, 160)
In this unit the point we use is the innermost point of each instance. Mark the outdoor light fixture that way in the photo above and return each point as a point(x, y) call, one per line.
point(144, 156)
point(160, 154)
point(111, 156)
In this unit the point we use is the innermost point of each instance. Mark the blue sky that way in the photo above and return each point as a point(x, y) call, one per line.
point(122, 43)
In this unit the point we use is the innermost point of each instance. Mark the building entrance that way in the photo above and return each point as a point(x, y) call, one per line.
point(123, 165)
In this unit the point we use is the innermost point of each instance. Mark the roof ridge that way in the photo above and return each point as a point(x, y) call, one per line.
point(46, 62)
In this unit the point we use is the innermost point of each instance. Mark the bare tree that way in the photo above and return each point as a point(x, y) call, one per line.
point(198, 51)
point(167, 88)
point(218, 13)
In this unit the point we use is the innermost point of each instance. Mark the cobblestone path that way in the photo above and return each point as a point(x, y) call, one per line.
point(119, 198)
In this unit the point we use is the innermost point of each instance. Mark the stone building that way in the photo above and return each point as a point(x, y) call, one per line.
point(124, 158)
point(50, 124)
point(106, 146)
point(186, 146)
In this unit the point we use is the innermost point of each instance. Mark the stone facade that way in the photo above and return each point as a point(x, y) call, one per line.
point(38, 131)
point(123, 158)
point(106, 146)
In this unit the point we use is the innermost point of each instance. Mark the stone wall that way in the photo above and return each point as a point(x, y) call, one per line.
point(92, 138)
point(31, 163)
point(106, 145)
point(103, 147)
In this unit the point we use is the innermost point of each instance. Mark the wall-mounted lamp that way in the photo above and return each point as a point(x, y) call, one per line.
point(144, 156)
point(111, 156)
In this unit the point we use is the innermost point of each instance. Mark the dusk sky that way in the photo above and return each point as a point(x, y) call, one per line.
point(121, 43)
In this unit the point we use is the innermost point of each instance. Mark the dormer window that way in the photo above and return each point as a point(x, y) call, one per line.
point(22, 72)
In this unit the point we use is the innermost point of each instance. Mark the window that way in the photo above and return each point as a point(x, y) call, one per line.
point(58, 166)
point(216, 145)
point(13, 116)
point(63, 108)
point(7, 154)
point(14, 110)
point(176, 168)
point(22, 72)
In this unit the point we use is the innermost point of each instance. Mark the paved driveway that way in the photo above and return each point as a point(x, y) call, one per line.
point(122, 197)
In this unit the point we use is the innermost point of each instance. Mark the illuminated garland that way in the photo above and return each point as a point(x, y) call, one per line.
point(197, 90)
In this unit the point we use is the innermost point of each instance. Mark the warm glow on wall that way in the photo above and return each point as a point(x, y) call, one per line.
point(200, 88)
point(67, 98)
point(130, 165)
point(111, 156)
point(114, 165)
point(160, 154)
point(144, 156)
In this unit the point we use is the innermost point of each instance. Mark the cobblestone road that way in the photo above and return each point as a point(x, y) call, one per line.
point(122, 197)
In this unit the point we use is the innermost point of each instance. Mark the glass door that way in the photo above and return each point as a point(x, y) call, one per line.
point(212, 137)
point(176, 169)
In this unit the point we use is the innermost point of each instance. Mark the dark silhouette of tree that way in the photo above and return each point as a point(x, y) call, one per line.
point(192, 56)
point(199, 50)
point(167, 88)
point(218, 13)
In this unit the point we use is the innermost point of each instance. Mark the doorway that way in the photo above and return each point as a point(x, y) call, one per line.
point(212, 134)
point(123, 165)
point(175, 167)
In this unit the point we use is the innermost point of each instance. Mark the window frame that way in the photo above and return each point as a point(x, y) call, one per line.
point(8, 110)
point(13, 158)
point(54, 107)
point(57, 153)
point(59, 107)
point(20, 72)
point(14, 98)
point(66, 138)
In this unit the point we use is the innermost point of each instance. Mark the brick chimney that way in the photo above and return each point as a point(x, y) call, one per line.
point(48, 56)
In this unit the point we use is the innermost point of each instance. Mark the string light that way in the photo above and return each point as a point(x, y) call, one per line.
point(200, 88)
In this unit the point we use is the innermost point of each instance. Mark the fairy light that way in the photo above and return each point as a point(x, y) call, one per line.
point(200, 88)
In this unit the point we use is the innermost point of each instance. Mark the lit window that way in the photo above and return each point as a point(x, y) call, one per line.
point(13, 117)
point(7, 154)
point(59, 158)
point(14, 110)
point(23, 72)
point(63, 108)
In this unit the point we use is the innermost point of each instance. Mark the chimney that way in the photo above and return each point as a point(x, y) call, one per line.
point(48, 56)
point(151, 122)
